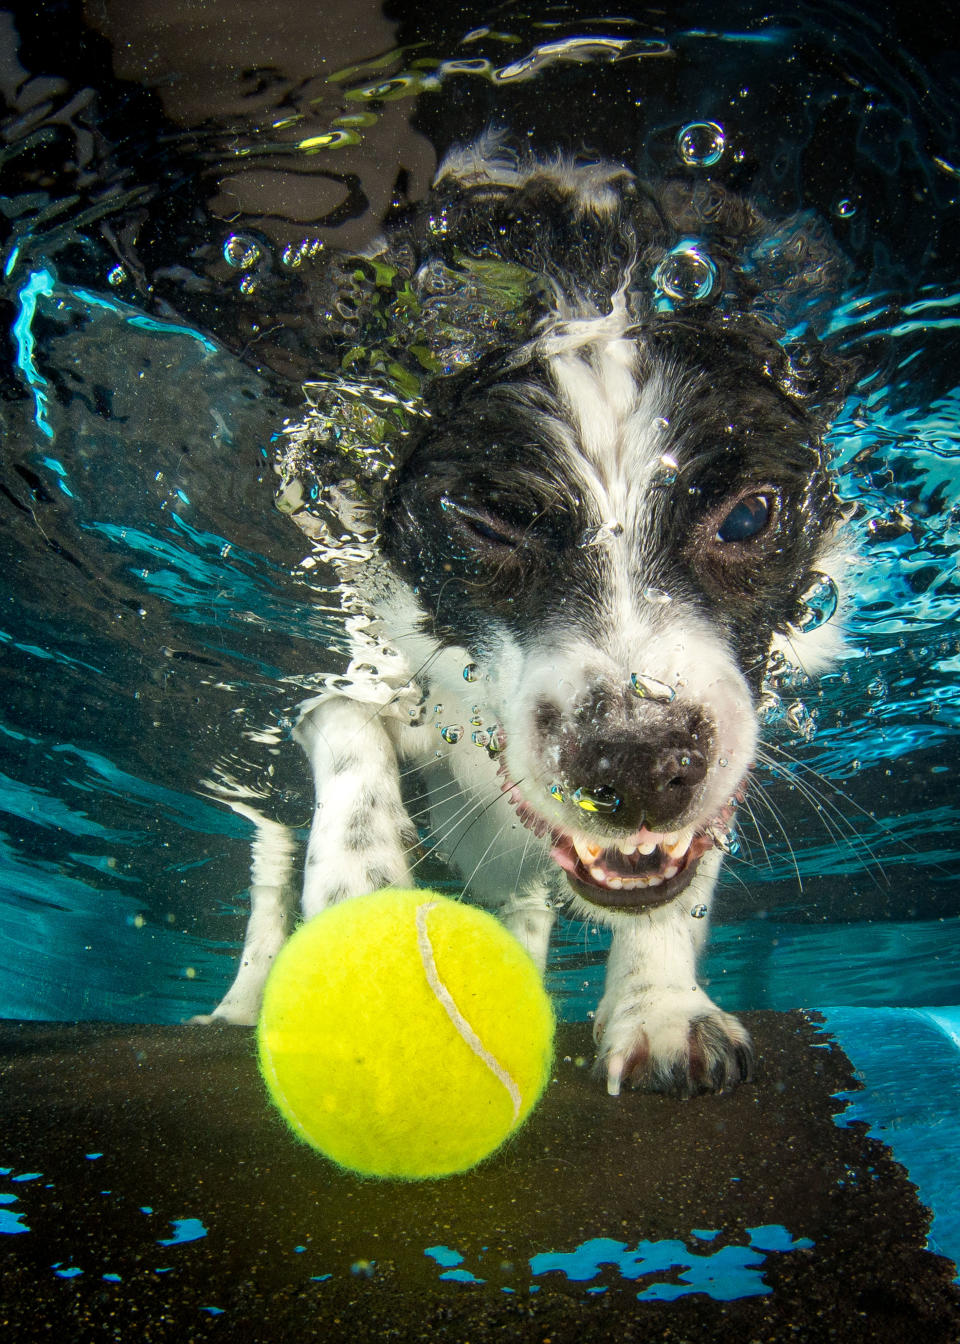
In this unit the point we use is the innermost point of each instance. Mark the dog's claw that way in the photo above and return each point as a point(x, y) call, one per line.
point(615, 1067)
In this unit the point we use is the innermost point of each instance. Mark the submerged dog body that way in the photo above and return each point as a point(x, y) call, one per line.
point(587, 539)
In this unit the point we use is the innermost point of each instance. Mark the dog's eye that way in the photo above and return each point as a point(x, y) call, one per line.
point(486, 527)
point(747, 518)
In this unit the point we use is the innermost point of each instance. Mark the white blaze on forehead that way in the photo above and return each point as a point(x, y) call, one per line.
point(617, 425)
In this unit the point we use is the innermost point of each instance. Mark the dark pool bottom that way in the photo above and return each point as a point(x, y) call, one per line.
point(148, 1193)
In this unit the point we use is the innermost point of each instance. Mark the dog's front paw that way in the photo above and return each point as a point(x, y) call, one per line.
point(219, 1019)
point(671, 1041)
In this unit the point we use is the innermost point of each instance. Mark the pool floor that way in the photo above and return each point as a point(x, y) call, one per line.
point(147, 1191)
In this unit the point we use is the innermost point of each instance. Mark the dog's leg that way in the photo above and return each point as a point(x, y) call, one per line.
point(655, 1026)
point(361, 836)
point(271, 908)
point(530, 917)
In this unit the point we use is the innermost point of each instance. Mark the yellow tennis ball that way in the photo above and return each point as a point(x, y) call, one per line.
point(404, 1034)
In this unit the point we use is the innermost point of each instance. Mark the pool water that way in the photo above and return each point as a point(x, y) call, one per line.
point(171, 182)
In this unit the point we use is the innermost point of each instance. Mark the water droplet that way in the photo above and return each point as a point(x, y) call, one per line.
point(699, 912)
point(472, 672)
point(687, 274)
point(722, 762)
point(845, 207)
point(649, 688)
point(877, 688)
point(700, 144)
point(481, 738)
point(657, 596)
point(116, 275)
point(452, 732)
point(556, 791)
point(818, 601)
point(601, 800)
point(241, 251)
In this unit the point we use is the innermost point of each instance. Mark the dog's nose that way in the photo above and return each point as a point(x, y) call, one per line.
point(644, 776)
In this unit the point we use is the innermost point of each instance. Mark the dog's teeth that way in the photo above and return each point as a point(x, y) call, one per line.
point(615, 883)
point(627, 849)
point(670, 838)
point(587, 851)
point(645, 849)
point(677, 844)
point(671, 870)
point(598, 874)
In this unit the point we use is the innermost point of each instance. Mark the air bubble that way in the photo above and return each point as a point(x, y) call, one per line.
point(657, 596)
point(801, 721)
point(556, 791)
point(769, 706)
point(597, 536)
point(452, 732)
point(649, 688)
point(699, 912)
point(845, 207)
point(779, 668)
point(818, 601)
point(687, 274)
point(241, 251)
point(481, 737)
point(667, 469)
point(472, 672)
point(700, 144)
point(877, 689)
point(601, 800)
point(116, 275)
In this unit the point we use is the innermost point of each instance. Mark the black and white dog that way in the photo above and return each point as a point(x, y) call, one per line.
point(573, 480)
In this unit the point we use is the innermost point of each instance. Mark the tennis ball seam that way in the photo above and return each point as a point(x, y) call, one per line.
point(448, 1003)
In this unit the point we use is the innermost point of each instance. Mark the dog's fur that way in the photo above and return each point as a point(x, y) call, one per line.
point(591, 494)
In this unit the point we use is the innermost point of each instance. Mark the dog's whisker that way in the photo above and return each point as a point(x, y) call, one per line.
point(748, 808)
point(477, 866)
point(456, 821)
point(775, 814)
point(838, 826)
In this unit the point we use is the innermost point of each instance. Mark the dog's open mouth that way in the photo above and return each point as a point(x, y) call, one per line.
point(648, 868)
point(644, 869)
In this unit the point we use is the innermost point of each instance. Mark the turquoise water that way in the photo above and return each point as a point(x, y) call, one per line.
point(161, 615)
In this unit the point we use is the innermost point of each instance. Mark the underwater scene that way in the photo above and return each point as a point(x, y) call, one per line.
point(180, 179)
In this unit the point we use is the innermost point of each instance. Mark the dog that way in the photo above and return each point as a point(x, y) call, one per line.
point(573, 484)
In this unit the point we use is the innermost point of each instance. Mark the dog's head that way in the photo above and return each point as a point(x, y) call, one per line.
point(619, 503)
